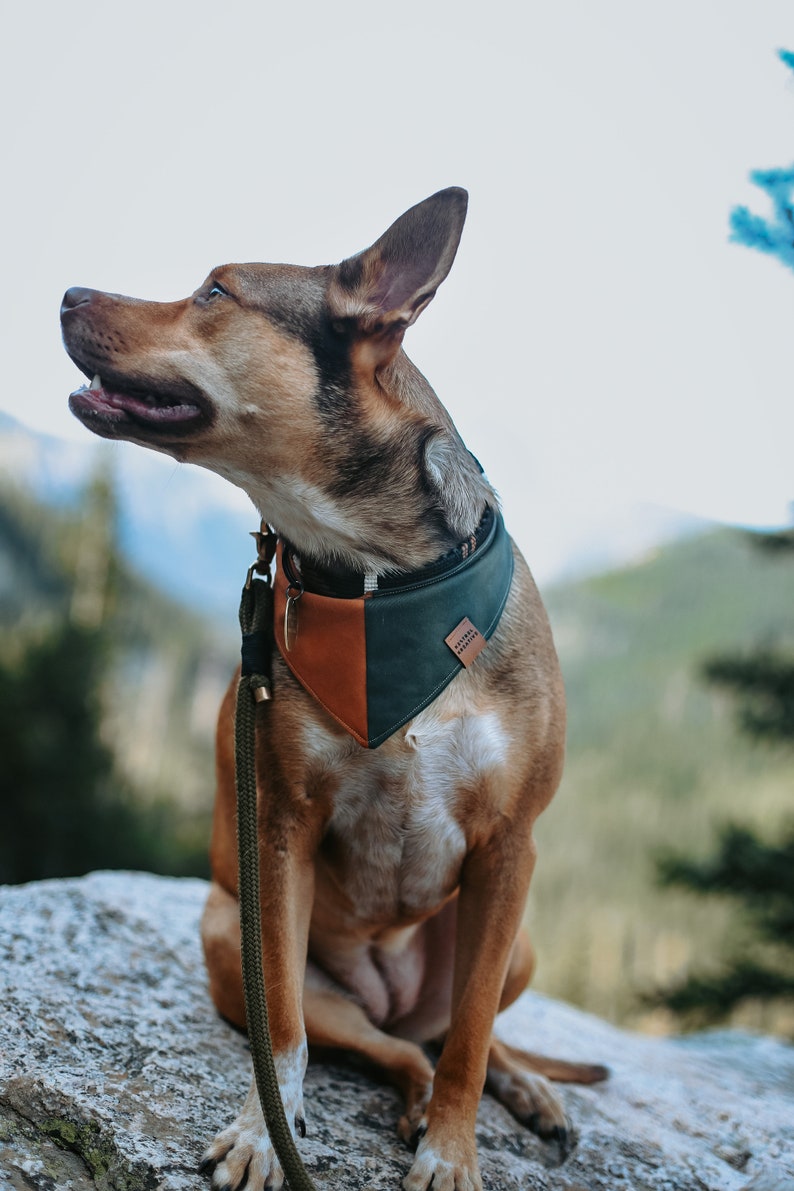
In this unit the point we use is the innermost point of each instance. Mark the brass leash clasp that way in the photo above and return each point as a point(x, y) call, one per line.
point(266, 541)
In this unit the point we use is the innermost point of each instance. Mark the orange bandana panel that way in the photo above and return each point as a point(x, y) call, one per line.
point(375, 661)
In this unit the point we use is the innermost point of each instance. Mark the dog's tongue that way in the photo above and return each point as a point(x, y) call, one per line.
point(148, 409)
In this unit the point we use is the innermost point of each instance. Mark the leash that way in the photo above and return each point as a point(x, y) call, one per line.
point(473, 580)
point(256, 624)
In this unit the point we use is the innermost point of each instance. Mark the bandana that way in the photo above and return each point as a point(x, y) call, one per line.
point(375, 658)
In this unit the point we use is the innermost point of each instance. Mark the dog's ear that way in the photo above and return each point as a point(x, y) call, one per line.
point(379, 292)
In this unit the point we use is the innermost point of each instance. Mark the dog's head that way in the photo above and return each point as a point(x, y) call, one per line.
point(288, 381)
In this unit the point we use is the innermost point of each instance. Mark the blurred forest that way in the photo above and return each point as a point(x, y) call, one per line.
point(108, 693)
point(657, 766)
point(755, 872)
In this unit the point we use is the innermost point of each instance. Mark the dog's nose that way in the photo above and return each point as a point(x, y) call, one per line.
point(76, 296)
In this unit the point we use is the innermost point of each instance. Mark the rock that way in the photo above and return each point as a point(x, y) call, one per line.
point(115, 1071)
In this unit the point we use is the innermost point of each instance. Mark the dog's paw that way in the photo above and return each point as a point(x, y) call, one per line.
point(532, 1101)
point(243, 1157)
point(444, 1167)
point(413, 1123)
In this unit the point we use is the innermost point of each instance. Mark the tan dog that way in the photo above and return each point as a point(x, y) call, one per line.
point(394, 877)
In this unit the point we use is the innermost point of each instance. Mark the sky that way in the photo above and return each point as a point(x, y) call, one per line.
point(603, 348)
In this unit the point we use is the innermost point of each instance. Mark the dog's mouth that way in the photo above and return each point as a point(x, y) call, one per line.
point(118, 411)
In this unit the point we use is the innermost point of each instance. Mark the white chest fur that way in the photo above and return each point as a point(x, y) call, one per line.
point(396, 839)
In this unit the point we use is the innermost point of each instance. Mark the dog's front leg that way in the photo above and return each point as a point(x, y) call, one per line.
point(243, 1155)
point(493, 891)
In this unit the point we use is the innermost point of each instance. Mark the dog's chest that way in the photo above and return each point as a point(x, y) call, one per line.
point(396, 840)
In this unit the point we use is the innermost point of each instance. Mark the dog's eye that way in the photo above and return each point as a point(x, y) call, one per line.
point(217, 289)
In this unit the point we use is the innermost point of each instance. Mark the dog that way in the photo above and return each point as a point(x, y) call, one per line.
point(396, 822)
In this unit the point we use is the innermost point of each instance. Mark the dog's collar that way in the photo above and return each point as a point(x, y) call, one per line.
point(345, 584)
point(375, 659)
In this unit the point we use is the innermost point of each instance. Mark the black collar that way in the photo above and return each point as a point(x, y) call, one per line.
point(346, 584)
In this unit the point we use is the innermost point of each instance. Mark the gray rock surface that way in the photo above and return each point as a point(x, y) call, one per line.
point(115, 1071)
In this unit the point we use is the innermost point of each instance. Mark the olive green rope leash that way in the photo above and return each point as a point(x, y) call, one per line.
point(256, 623)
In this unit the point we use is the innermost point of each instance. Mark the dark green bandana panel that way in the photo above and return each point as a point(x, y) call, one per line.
point(408, 661)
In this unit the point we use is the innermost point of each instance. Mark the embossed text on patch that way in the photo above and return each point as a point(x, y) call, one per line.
point(466, 641)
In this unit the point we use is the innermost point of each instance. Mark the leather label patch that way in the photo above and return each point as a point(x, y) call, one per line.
point(466, 641)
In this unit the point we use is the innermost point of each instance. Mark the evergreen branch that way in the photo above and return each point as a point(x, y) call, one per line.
point(764, 684)
point(743, 866)
point(772, 543)
point(709, 998)
point(773, 236)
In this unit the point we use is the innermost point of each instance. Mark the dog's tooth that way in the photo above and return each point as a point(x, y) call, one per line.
point(96, 383)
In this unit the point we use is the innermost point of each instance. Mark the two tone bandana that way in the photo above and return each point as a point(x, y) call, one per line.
point(375, 658)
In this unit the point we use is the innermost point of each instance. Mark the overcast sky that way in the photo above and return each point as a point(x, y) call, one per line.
point(599, 342)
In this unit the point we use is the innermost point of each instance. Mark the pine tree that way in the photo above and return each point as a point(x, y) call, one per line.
point(65, 808)
point(59, 800)
point(773, 236)
point(757, 874)
point(759, 877)
point(763, 680)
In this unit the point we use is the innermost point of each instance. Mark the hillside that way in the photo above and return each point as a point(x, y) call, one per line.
point(654, 761)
